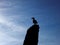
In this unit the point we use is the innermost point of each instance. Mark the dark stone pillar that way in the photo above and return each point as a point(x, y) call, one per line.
point(31, 37)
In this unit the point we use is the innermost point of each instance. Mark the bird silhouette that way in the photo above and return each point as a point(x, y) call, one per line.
point(34, 21)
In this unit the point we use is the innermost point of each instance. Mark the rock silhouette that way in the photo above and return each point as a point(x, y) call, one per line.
point(31, 37)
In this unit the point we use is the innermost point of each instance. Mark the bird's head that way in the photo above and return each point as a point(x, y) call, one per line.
point(33, 18)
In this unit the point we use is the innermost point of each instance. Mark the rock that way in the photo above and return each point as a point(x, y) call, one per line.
point(31, 37)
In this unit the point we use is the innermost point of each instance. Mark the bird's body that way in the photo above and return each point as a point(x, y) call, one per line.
point(34, 21)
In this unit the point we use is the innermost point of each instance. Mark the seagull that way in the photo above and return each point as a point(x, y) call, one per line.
point(34, 21)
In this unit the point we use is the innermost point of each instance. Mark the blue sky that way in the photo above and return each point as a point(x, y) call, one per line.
point(15, 19)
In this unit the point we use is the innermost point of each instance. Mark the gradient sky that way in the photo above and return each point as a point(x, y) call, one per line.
point(15, 19)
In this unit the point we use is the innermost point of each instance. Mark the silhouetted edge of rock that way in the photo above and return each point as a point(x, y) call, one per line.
point(31, 37)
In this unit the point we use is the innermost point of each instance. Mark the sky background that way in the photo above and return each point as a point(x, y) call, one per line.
point(15, 19)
